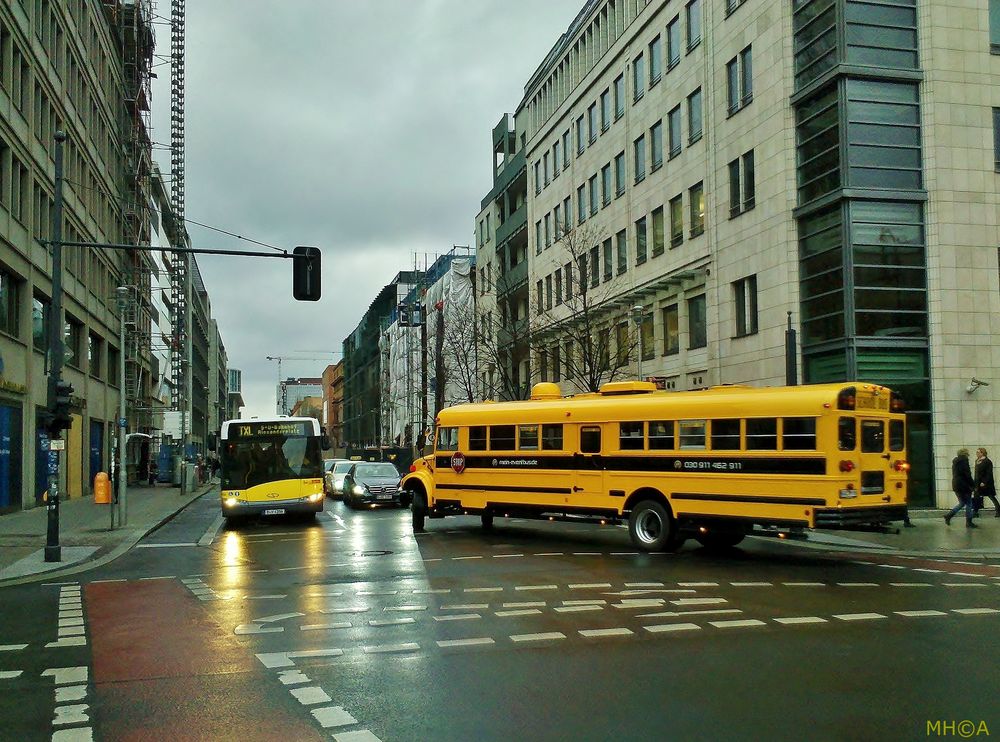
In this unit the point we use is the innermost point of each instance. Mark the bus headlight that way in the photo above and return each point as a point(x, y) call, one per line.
point(358, 489)
point(231, 502)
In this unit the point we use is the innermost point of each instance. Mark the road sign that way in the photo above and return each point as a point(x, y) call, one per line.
point(121, 422)
point(57, 444)
point(53, 462)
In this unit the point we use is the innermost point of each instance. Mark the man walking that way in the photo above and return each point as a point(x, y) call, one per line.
point(962, 485)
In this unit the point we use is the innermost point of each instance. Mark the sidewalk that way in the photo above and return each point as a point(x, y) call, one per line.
point(929, 536)
point(85, 531)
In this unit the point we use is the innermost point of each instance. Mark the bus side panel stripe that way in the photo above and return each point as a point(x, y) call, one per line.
point(759, 499)
point(681, 464)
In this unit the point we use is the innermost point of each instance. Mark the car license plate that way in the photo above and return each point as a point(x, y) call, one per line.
point(275, 511)
point(383, 497)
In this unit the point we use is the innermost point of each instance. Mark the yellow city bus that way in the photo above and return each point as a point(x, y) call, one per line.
point(709, 464)
point(271, 466)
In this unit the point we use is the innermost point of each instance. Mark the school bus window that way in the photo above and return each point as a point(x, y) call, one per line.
point(552, 437)
point(630, 436)
point(897, 435)
point(447, 439)
point(692, 433)
point(477, 438)
point(725, 435)
point(527, 437)
point(872, 436)
point(590, 439)
point(798, 434)
point(847, 430)
point(501, 437)
point(661, 436)
point(762, 434)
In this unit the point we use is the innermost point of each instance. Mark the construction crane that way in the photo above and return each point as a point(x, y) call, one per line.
point(282, 401)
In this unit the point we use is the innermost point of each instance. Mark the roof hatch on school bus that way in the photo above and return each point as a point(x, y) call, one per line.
point(627, 387)
point(546, 390)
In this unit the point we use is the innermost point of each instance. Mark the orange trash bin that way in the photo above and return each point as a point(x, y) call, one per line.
point(102, 489)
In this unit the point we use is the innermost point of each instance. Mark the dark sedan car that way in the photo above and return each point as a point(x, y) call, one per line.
point(370, 484)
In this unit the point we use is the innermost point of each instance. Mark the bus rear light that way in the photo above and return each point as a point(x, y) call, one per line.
point(847, 398)
point(413, 468)
point(901, 465)
point(846, 466)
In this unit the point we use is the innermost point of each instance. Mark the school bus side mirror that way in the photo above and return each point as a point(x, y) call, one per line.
point(306, 273)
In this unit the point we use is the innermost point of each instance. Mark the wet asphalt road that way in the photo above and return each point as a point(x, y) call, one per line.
point(352, 628)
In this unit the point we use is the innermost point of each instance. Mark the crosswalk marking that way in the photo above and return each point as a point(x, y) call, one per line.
point(793, 620)
point(546, 636)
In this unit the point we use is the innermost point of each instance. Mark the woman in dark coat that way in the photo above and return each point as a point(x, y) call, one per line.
point(985, 487)
point(962, 485)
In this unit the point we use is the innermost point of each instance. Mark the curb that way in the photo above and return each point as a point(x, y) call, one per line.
point(983, 554)
point(88, 564)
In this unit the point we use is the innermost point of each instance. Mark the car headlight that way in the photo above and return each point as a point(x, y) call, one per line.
point(358, 489)
point(231, 501)
point(338, 484)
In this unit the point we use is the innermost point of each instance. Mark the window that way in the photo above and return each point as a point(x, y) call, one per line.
point(556, 364)
point(656, 145)
point(622, 245)
point(568, 279)
point(40, 315)
point(581, 204)
point(696, 201)
point(582, 272)
point(655, 61)
point(565, 148)
point(994, 26)
point(447, 439)
point(545, 167)
point(872, 436)
point(847, 434)
point(580, 144)
point(640, 241)
point(619, 96)
point(592, 122)
point(527, 437)
point(996, 135)
point(539, 241)
point(477, 438)
point(552, 435)
point(676, 220)
point(673, 42)
point(897, 435)
point(762, 434)
point(606, 184)
point(630, 436)
point(732, 5)
point(745, 299)
point(606, 110)
point(501, 437)
point(595, 267)
point(74, 341)
point(725, 435)
point(674, 131)
point(590, 439)
point(538, 177)
point(548, 230)
point(694, 116)
point(671, 331)
point(693, 14)
point(697, 331)
point(880, 114)
point(557, 225)
point(555, 160)
point(539, 296)
point(10, 303)
point(638, 78)
point(558, 282)
point(799, 433)
point(604, 349)
point(594, 196)
point(95, 353)
point(739, 81)
point(620, 169)
point(639, 150)
point(548, 291)
point(113, 356)
point(742, 196)
point(567, 214)
point(647, 344)
point(606, 249)
point(623, 345)
point(661, 436)
point(657, 219)
point(691, 433)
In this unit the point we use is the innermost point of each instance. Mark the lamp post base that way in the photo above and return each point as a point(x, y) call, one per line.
point(53, 553)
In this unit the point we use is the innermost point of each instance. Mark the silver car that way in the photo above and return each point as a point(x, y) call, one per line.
point(335, 477)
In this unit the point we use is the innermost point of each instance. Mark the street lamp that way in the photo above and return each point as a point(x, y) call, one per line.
point(636, 313)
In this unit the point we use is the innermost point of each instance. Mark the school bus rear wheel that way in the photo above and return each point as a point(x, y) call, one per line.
point(651, 526)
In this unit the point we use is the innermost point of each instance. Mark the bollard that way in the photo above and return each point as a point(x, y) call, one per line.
point(102, 489)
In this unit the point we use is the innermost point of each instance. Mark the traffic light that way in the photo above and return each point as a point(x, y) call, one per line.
point(306, 274)
point(404, 314)
point(60, 415)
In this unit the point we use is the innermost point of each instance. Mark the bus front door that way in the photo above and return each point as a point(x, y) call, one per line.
point(588, 482)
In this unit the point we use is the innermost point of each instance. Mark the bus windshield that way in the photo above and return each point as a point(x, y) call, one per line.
point(248, 462)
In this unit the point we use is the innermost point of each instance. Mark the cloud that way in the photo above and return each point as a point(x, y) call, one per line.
point(359, 127)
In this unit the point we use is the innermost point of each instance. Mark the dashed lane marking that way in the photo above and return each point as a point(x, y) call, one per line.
point(333, 716)
point(545, 636)
point(536, 587)
point(12, 647)
point(667, 627)
point(578, 608)
point(310, 695)
point(678, 614)
point(77, 734)
point(587, 586)
point(466, 607)
point(966, 584)
point(483, 590)
point(858, 616)
point(858, 584)
point(916, 614)
point(974, 611)
point(10, 674)
point(804, 584)
point(526, 604)
point(738, 623)
point(794, 620)
point(326, 626)
point(391, 648)
point(458, 617)
point(601, 633)
point(391, 621)
point(751, 584)
point(524, 612)
point(910, 584)
point(465, 642)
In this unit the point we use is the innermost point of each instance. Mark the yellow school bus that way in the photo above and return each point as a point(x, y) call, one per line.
point(271, 466)
point(709, 464)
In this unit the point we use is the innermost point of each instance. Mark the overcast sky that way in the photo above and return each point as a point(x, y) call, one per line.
point(363, 128)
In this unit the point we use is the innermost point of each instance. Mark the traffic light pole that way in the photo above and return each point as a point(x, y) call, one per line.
point(53, 552)
point(122, 505)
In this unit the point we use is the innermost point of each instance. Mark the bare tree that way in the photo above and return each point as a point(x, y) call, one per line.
point(588, 334)
point(504, 335)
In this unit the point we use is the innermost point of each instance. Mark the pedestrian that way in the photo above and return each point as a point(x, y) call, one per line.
point(985, 486)
point(153, 471)
point(216, 464)
point(962, 485)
